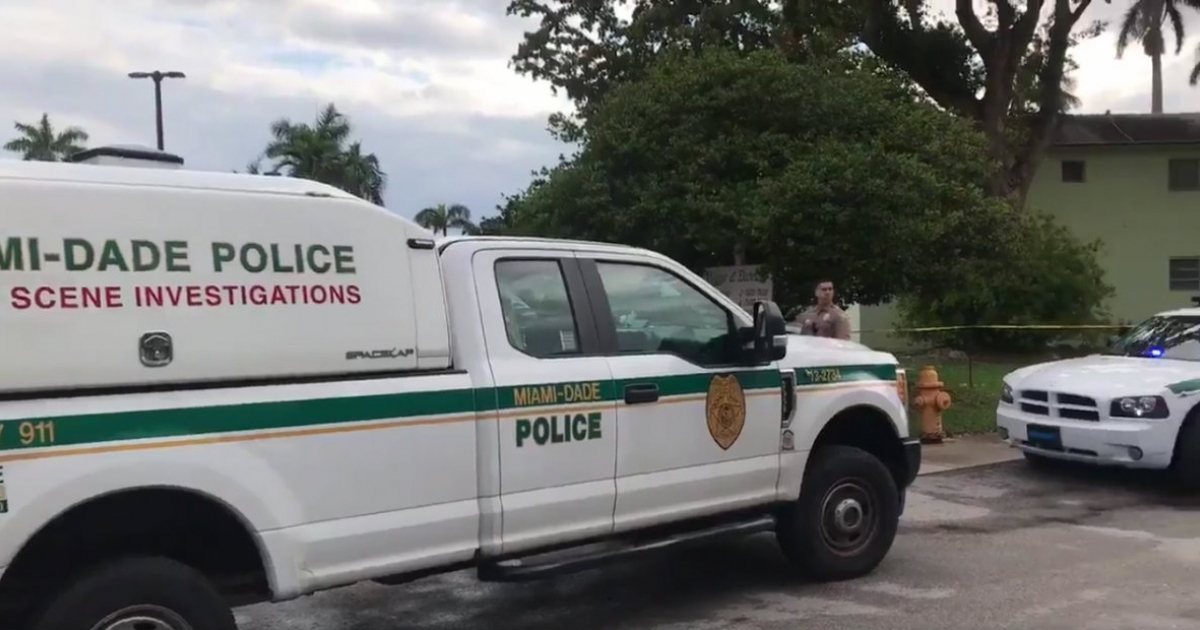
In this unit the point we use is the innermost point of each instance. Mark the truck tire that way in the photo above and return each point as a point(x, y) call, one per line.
point(846, 518)
point(143, 593)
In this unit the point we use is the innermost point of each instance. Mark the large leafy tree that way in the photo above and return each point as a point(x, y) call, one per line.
point(1145, 22)
point(445, 217)
point(979, 71)
point(41, 142)
point(827, 169)
point(322, 151)
point(974, 67)
point(493, 226)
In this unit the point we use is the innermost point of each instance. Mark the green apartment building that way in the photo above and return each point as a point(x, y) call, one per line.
point(1132, 181)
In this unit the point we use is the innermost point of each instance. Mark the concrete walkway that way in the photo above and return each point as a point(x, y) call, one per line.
point(968, 451)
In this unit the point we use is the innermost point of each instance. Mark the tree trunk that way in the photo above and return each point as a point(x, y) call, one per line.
point(1002, 50)
point(1156, 83)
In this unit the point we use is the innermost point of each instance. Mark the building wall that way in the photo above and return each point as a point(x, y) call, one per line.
point(1125, 202)
point(875, 321)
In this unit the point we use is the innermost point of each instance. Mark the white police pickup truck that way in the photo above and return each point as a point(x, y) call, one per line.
point(219, 389)
point(1136, 405)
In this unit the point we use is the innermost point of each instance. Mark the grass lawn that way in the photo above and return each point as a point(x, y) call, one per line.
point(974, 391)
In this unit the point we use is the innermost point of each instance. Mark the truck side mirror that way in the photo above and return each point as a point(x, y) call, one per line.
point(770, 332)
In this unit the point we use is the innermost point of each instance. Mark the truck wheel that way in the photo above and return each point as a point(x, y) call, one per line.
point(846, 518)
point(138, 594)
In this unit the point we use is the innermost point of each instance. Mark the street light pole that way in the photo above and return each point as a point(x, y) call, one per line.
point(157, 76)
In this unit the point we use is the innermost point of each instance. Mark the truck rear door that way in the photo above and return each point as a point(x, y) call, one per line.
point(557, 409)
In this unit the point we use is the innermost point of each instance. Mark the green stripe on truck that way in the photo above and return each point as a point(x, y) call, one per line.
point(837, 374)
point(94, 428)
point(257, 416)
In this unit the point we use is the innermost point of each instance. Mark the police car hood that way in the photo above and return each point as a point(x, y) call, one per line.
point(809, 351)
point(1103, 376)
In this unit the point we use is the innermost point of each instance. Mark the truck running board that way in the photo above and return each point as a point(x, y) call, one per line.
point(518, 571)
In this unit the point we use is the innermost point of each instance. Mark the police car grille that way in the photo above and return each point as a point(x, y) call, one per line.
point(1059, 404)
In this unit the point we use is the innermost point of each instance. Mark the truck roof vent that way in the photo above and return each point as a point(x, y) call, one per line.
point(127, 155)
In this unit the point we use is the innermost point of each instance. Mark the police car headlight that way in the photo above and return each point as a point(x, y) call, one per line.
point(1006, 394)
point(1139, 407)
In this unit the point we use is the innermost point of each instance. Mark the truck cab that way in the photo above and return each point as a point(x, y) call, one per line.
point(236, 388)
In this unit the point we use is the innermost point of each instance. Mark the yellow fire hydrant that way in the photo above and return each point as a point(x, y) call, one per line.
point(932, 400)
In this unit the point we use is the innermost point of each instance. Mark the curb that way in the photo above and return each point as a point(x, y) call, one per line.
point(991, 464)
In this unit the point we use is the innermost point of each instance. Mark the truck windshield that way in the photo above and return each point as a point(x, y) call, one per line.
point(1173, 337)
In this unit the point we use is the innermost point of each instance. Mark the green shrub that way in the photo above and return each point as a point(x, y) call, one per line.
point(1044, 276)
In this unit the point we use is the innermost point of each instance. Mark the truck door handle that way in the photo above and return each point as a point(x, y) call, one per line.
point(641, 393)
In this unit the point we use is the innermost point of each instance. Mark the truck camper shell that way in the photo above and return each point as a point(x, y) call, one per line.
point(151, 276)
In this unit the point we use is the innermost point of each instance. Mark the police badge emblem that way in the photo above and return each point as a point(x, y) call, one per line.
point(725, 408)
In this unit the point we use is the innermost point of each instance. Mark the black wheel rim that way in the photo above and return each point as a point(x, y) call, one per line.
point(849, 517)
point(143, 617)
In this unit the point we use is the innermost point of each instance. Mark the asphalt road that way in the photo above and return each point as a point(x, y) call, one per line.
point(996, 547)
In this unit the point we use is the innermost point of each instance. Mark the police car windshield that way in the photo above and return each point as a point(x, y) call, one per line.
point(1174, 337)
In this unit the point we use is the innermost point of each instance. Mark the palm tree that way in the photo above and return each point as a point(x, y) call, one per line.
point(320, 152)
point(361, 174)
point(40, 142)
point(444, 217)
point(253, 168)
point(1143, 22)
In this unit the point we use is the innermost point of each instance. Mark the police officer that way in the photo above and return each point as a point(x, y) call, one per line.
point(825, 319)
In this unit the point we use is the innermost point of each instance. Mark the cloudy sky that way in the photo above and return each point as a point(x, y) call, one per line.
point(426, 82)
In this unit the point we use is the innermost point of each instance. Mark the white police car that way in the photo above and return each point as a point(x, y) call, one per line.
point(1136, 405)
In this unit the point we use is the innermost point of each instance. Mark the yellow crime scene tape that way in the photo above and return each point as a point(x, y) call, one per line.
point(1000, 327)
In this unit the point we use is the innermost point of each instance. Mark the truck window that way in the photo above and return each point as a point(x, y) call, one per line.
point(656, 311)
point(536, 307)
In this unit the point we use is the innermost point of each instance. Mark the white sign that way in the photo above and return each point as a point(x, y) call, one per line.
point(741, 284)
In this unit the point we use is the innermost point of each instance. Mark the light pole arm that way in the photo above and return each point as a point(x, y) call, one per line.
point(157, 76)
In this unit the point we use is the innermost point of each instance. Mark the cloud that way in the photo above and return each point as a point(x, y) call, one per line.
point(426, 82)
point(1123, 86)
point(436, 102)
point(1104, 82)
point(441, 28)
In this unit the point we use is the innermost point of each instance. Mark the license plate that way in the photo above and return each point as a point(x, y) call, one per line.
point(1042, 436)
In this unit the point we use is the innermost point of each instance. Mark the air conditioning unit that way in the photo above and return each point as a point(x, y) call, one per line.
point(127, 155)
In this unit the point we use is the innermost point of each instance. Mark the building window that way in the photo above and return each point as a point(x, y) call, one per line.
point(1183, 174)
point(1073, 171)
point(1184, 274)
